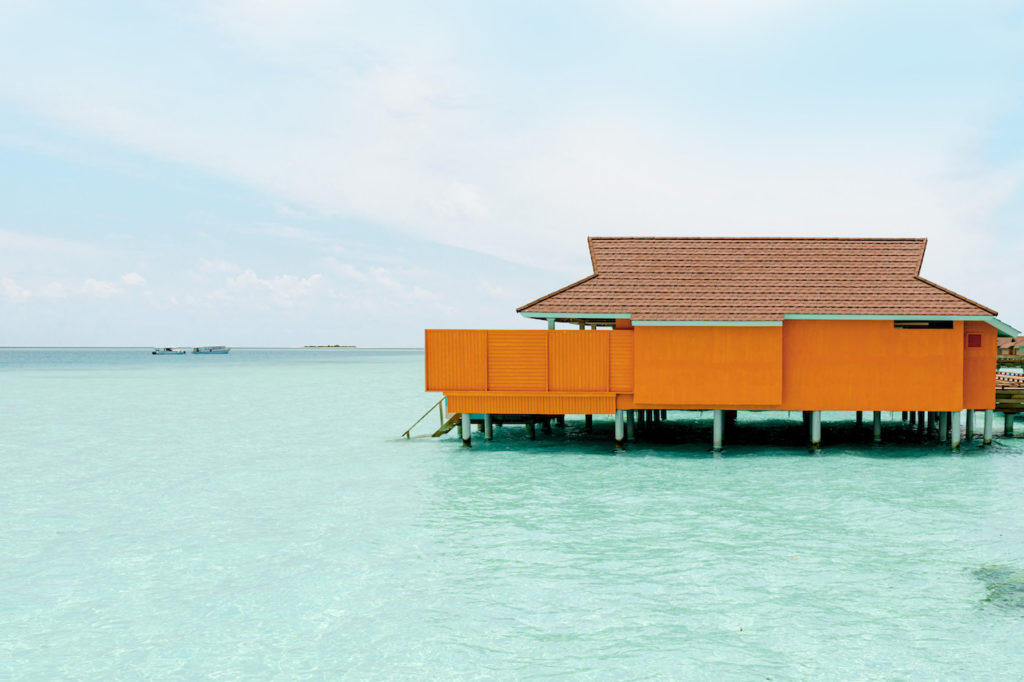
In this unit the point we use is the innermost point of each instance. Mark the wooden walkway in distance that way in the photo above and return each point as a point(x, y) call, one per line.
point(1009, 393)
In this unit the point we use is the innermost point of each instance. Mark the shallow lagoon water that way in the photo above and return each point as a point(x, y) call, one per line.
point(254, 516)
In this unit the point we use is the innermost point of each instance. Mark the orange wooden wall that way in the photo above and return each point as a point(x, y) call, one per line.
point(980, 368)
point(802, 365)
point(870, 365)
point(708, 366)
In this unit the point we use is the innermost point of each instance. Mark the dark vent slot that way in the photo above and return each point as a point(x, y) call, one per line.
point(974, 340)
point(922, 324)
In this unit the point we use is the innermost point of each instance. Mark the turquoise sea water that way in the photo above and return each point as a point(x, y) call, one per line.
point(254, 516)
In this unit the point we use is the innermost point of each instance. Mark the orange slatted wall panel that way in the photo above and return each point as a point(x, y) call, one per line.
point(708, 366)
point(456, 359)
point(532, 403)
point(980, 368)
point(871, 365)
point(578, 361)
point(517, 360)
point(620, 362)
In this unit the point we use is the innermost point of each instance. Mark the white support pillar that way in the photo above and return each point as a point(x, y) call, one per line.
point(488, 428)
point(877, 416)
point(816, 430)
point(620, 429)
point(943, 426)
point(631, 425)
point(1008, 424)
point(987, 433)
point(717, 430)
point(970, 424)
point(551, 323)
point(467, 430)
point(954, 430)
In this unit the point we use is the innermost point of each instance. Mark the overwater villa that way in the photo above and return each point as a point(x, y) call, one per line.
point(732, 324)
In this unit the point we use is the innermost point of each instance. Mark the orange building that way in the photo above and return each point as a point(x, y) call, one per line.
point(732, 324)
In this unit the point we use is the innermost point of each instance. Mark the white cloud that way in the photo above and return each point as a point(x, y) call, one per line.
point(283, 289)
point(13, 291)
point(133, 279)
point(99, 288)
point(53, 290)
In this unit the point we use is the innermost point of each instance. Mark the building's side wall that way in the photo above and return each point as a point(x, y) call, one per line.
point(870, 365)
point(708, 366)
point(802, 365)
point(980, 367)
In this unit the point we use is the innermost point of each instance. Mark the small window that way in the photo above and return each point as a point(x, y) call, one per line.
point(974, 340)
point(922, 324)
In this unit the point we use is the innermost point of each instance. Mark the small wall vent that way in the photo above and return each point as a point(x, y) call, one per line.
point(923, 324)
point(974, 340)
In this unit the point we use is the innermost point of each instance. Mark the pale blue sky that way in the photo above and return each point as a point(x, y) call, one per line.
point(270, 172)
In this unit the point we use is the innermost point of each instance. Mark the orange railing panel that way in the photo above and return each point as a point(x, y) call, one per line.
point(456, 359)
point(620, 362)
point(578, 361)
point(517, 360)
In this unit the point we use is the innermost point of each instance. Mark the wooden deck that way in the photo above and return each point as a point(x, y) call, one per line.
point(1009, 393)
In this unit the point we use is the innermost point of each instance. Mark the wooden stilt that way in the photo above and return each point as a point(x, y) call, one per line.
point(986, 437)
point(620, 430)
point(1008, 424)
point(531, 430)
point(816, 430)
point(718, 428)
point(877, 426)
point(860, 419)
point(943, 425)
point(588, 422)
point(970, 425)
point(631, 425)
point(488, 428)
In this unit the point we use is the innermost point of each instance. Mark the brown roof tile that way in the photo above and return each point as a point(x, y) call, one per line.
point(689, 278)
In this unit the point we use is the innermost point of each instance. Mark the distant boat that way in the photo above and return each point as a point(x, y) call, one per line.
point(211, 350)
point(168, 351)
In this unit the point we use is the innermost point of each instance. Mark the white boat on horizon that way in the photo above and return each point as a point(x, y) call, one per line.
point(168, 351)
point(211, 350)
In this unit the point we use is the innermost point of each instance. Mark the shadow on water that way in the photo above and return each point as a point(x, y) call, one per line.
point(1004, 584)
point(761, 436)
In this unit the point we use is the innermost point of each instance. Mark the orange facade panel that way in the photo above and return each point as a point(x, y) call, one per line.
point(517, 360)
point(578, 361)
point(980, 348)
point(496, 402)
point(871, 365)
point(702, 366)
point(456, 359)
point(620, 362)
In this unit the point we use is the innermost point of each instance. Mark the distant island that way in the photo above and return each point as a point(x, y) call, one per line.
point(336, 345)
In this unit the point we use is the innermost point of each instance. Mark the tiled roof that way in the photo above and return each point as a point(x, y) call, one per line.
point(688, 278)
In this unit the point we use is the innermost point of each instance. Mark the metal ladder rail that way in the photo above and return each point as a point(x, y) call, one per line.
point(440, 405)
